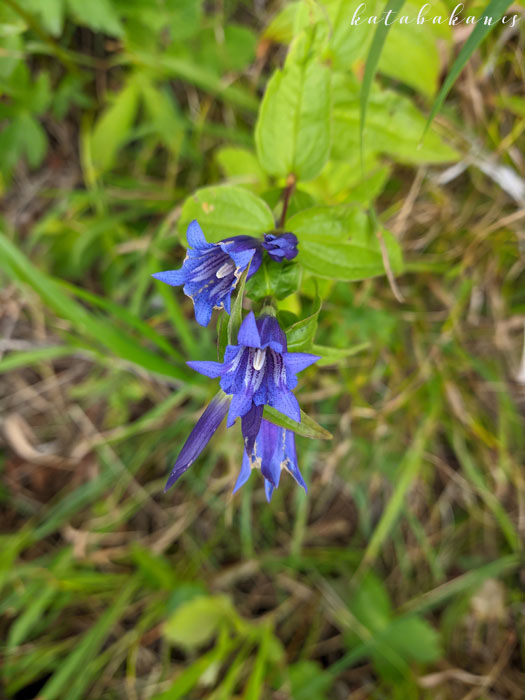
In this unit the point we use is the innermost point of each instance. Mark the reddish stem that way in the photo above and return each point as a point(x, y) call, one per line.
point(290, 186)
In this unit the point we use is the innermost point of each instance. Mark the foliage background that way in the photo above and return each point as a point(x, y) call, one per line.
point(401, 574)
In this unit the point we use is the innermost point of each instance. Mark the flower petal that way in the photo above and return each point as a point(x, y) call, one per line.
point(284, 401)
point(241, 404)
point(207, 368)
point(251, 423)
point(271, 334)
point(199, 436)
point(242, 258)
point(195, 236)
point(291, 459)
point(248, 332)
point(297, 361)
point(269, 448)
point(282, 246)
point(268, 488)
point(244, 474)
point(172, 277)
point(255, 264)
point(203, 309)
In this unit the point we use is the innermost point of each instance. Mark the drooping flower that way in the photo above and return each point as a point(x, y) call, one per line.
point(199, 437)
point(273, 451)
point(258, 371)
point(210, 271)
point(280, 246)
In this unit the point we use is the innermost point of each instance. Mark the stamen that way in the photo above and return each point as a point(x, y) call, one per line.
point(259, 359)
point(225, 269)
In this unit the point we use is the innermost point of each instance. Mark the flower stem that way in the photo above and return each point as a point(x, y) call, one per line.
point(288, 191)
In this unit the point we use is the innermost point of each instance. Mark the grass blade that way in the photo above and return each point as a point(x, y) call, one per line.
point(475, 477)
point(101, 330)
point(25, 358)
point(372, 62)
point(71, 671)
point(408, 472)
point(494, 10)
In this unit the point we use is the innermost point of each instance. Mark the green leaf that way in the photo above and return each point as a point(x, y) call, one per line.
point(494, 10)
point(406, 640)
point(425, 45)
point(393, 126)
point(233, 53)
point(224, 211)
point(161, 109)
point(196, 622)
point(301, 335)
point(348, 38)
point(222, 335)
point(344, 182)
point(99, 15)
point(292, 134)
point(274, 279)
point(338, 243)
point(111, 130)
point(298, 201)
point(280, 28)
point(50, 12)
point(332, 356)
point(192, 674)
point(308, 681)
point(240, 165)
point(184, 18)
point(155, 569)
point(32, 139)
point(371, 603)
point(181, 67)
point(308, 427)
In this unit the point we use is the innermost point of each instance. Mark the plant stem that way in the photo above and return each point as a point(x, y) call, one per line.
point(290, 186)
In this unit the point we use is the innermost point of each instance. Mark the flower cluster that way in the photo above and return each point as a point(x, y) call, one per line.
point(211, 270)
point(256, 372)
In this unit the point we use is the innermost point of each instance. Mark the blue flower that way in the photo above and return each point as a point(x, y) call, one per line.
point(210, 271)
point(273, 451)
point(199, 437)
point(280, 247)
point(258, 371)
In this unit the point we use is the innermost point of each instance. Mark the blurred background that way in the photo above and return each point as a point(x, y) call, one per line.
point(401, 573)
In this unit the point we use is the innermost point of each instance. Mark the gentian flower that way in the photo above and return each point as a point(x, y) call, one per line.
point(281, 246)
point(258, 371)
point(210, 271)
point(273, 451)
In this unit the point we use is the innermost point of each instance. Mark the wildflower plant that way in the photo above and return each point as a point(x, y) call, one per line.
point(261, 254)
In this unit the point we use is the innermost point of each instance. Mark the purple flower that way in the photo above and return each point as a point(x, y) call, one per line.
point(199, 437)
point(281, 246)
point(258, 371)
point(273, 451)
point(210, 271)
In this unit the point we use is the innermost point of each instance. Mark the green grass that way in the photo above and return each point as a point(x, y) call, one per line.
point(400, 573)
